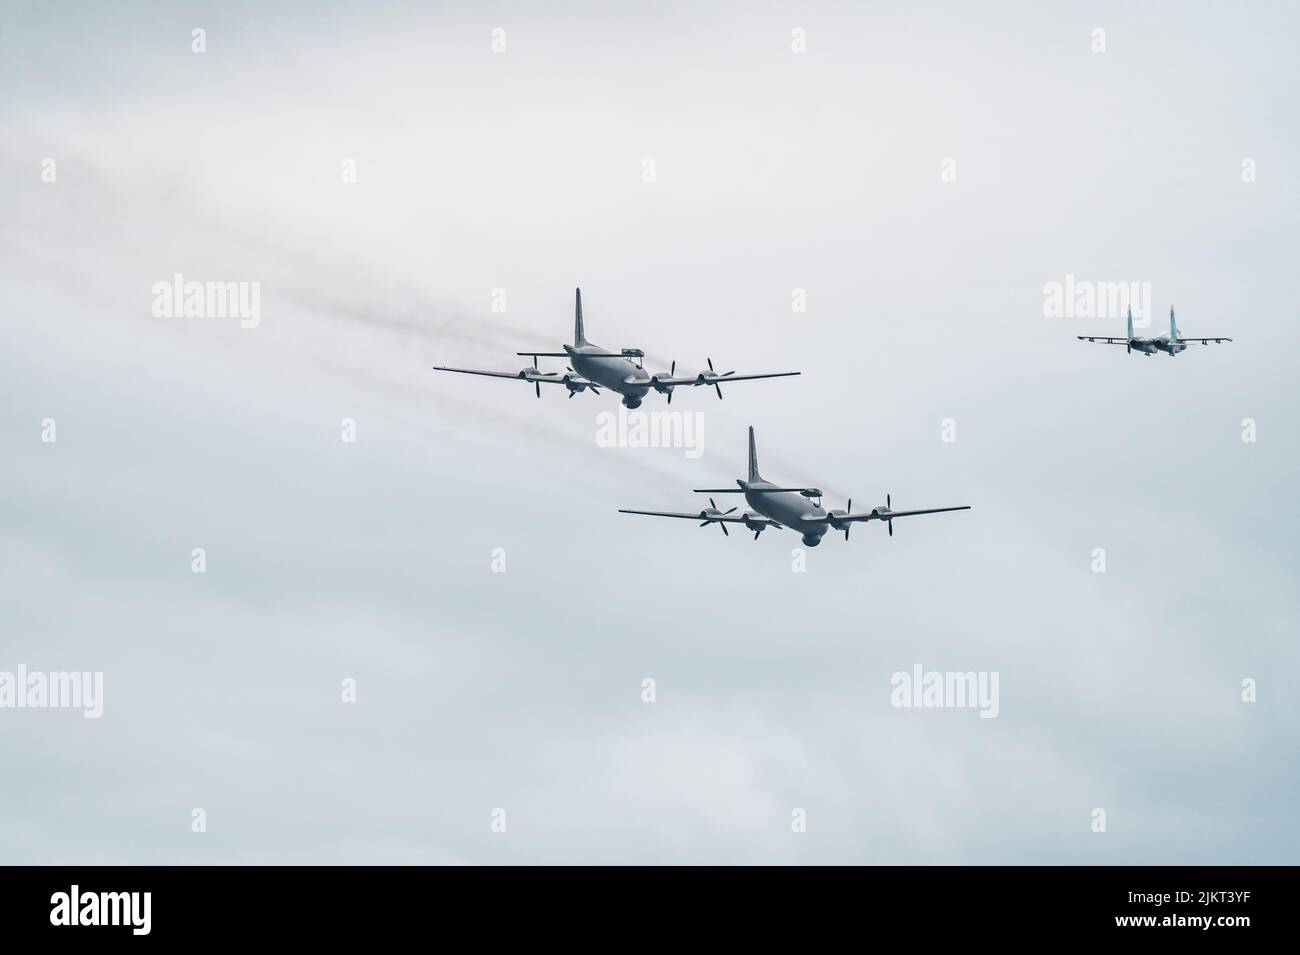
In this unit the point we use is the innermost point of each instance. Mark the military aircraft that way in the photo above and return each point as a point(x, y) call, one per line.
point(1171, 344)
point(592, 368)
point(798, 508)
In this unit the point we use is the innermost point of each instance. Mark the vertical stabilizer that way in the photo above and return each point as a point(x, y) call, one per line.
point(753, 458)
point(578, 337)
point(1130, 323)
point(1173, 326)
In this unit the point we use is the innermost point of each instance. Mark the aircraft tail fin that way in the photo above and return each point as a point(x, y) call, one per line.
point(753, 457)
point(579, 338)
point(1173, 326)
point(1130, 323)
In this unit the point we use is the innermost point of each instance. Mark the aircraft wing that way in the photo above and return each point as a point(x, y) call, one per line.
point(723, 379)
point(878, 516)
point(1103, 340)
point(491, 374)
point(754, 522)
point(702, 516)
point(707, 379)
point(1204, 341)
point(528, 374)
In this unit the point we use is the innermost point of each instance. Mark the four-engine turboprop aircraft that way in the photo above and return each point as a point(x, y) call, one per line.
point(1170, 344)
point(798, 508)
point(592, 368)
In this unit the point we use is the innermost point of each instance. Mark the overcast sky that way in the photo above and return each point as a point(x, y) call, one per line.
point(524, 170)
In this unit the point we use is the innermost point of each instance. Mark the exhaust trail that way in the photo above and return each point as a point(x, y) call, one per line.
point(322, 304)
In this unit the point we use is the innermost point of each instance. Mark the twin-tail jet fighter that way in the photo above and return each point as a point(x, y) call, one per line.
point(798, 508)
point(1170, 344)
point(592, 368)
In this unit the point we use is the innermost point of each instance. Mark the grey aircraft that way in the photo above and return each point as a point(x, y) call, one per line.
point(798, 508)
point(1170, 344)
point(592, 368)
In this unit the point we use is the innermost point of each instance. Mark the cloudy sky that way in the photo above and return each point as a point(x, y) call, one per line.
point(921, 174)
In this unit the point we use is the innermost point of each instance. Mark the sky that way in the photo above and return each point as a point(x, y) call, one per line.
point(429, 645)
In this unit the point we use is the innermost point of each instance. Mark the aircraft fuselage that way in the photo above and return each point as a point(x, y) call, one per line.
point(786, 508)
point(610, 371)
point(1149, 346)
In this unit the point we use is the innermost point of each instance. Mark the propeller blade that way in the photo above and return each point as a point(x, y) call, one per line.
point(572, 393)
point(887, 503)
point(537, 387)
point(715, 374)
point(725, 532)
point(705, 523)
point(718, 390)
point(757, 532)
point(725, 513)
point(670, 396)
point(712, 505)
point(891, 528)
point(672, 372)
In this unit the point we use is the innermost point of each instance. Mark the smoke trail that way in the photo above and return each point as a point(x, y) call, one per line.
point(322, 306)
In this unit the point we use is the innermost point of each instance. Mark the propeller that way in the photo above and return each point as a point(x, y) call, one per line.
point(574, 388)
point(757, 528)
point(835, 521)
point(710, 517)
point(537, 385)
point(715, 376)
point(662, 388)
point(889, 507)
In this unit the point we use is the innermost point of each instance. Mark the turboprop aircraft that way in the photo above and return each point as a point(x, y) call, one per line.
point(798, 508)
point(591, 368)
point(1170, 344)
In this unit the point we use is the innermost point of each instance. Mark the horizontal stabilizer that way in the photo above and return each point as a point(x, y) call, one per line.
point(758, 490)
